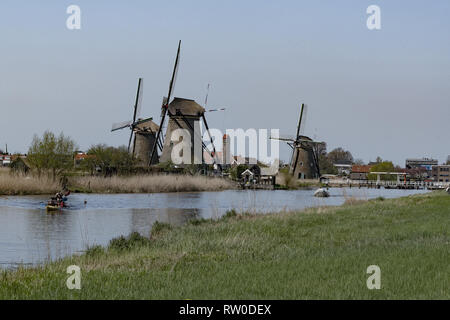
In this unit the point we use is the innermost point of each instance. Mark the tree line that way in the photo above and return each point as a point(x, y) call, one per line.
point(54, 155)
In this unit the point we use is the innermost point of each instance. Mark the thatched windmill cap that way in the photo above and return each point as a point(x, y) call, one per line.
point(148, 125)
point(186, 107)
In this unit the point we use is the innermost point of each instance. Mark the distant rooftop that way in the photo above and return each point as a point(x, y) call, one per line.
point(421, 159)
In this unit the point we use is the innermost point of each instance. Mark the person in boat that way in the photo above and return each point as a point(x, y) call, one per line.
point(57, 200)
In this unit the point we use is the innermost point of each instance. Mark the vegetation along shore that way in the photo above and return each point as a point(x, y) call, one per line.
point(34, 185)
point(319, 253)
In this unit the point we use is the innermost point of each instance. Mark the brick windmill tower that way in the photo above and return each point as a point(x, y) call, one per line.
point(304, 162)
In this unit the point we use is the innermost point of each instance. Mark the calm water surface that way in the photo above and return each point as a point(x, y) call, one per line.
point(29, 235)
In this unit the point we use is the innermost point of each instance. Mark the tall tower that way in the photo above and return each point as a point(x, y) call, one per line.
point(226, 152)
point(144, 140)
point(184, 114)
point(303, 162)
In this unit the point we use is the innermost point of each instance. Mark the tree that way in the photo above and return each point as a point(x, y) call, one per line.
point(51, 154)
point(359, 162)
point(340, 154)
point(108, 160)
point(325, 164)
point(235, 172)
point(385, 166)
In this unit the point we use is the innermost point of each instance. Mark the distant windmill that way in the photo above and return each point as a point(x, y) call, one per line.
point(144, 130)
point(304, 160)
point(185, 114)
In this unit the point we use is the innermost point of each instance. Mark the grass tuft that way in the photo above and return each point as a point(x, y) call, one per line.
point(134, 240)
point(94, 251)
point(159, 228)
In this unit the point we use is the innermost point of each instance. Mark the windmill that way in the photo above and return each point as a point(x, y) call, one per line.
point(143, 130)
point(183, 114)
point(304, 162)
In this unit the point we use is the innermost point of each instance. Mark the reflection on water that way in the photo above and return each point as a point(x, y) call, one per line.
point(29, 235)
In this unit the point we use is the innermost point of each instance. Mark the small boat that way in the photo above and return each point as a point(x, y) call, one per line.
point(55, 205)
point(322, 193)
point(58, 202)
point(51, 207)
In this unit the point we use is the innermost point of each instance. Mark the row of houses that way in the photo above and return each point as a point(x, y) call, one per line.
point(415, 170)
point(430, 169)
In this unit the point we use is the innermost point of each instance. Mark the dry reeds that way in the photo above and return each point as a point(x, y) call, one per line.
point(150, 184)
point(22, 184)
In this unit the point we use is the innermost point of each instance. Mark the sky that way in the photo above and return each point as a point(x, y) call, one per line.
point(374, 92)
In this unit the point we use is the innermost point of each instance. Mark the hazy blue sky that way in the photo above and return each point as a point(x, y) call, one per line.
point(377, 93)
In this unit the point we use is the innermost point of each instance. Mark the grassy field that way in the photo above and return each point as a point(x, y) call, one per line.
point(320, 253)
point(20, 184)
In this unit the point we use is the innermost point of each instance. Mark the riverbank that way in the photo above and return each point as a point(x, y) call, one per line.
point(32, 185)
point(26, 185)
point(320, 253)
point(149, 184)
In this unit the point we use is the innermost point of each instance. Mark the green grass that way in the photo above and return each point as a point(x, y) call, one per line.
point(320, 253)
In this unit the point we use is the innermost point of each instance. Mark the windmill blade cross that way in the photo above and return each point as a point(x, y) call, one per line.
point(138, 103)
point(121, 125)
point(142, 121)
point(217, 109)
point(310, 141)
point(129, 141)
point(303, 119)
point(207, 93)
point(282, 139)
point(174, 74)
point(300, 120)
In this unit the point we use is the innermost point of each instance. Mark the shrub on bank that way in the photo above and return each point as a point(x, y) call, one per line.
point(134, 240)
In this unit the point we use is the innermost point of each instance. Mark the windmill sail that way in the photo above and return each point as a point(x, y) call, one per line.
point(141, 129)
point(121, 125)
point(303, 120)
point(169, 95)
point(139, 95)
point(174, 74)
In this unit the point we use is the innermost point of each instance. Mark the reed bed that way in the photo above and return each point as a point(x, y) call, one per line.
point(25, 185)
point(150, 184)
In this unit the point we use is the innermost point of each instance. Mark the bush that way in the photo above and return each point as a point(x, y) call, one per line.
point(95, 251)
point(134, 240)
point(230, 214)
point(198, 221)
point(159, 227)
